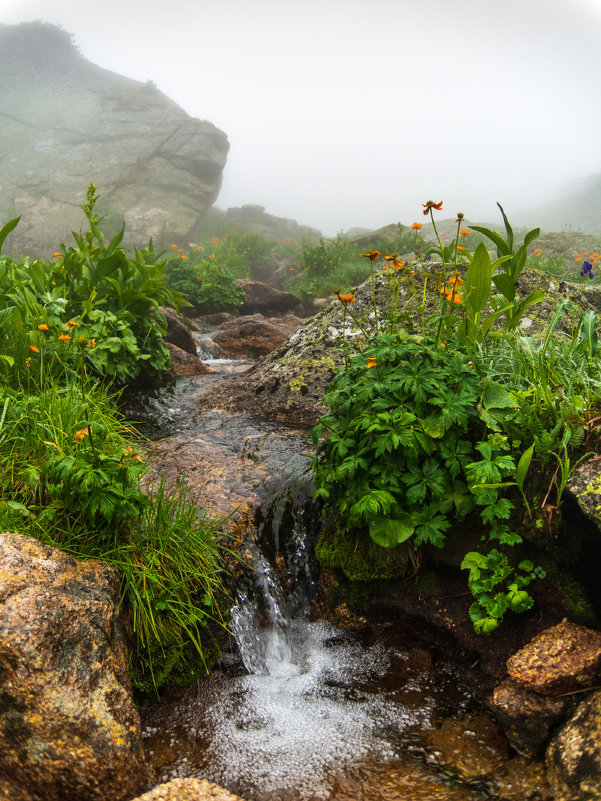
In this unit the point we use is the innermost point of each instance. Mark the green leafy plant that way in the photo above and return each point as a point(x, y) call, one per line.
point(497, 587)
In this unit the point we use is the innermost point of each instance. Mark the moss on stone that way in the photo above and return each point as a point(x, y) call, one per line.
point(357, 556)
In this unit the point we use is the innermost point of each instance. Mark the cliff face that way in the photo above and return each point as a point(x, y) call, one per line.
point(65, 122)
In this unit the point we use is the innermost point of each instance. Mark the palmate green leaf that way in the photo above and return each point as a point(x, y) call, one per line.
point(388, 532)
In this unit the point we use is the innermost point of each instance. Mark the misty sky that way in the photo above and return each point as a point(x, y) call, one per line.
point(345, 113)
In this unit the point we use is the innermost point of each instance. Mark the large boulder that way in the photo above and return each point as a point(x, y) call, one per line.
point(266, 299)
point(562, 659)
point(68, 725)
point(178, 331)
point(253, 335)
point(72, 123)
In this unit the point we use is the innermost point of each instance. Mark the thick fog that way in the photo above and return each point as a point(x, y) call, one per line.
point(345, 113)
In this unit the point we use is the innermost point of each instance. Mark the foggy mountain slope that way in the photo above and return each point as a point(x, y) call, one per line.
point(66, 122)
point(579, 208)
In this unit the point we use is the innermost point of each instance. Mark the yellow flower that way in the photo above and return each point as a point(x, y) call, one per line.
point(371, 362)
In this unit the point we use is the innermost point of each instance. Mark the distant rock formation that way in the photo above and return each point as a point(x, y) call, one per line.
point(66, 122)
point(255, 220)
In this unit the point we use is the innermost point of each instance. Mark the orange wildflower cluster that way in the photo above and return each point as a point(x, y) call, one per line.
point(372, 255)
point(350, 298)
point(464, 232)
point(416, 226)
point(451, 288)
point(64, 337)
point(43, 327)
point(537, 252)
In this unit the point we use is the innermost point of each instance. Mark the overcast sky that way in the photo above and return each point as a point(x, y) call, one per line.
point(345, 113)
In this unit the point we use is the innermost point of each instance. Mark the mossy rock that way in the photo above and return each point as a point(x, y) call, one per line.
point(357, 555)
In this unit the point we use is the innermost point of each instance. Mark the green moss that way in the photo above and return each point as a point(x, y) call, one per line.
point(574, 598)
point(357, 556)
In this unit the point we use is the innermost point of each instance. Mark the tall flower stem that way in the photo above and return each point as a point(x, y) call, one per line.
point(443, 299)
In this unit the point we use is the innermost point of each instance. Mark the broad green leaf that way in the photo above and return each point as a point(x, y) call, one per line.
point(508, 228)
point(588, 329)
point(476, 287)
point(388, 532)
point(494, 236)
point(4, 232)
point(505, 284)
point(497, 397)
point(523, 465)
point(434, 426)
point(531, 236)
point(518, 262)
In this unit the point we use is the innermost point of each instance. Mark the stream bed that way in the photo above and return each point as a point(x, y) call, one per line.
point(298, 709)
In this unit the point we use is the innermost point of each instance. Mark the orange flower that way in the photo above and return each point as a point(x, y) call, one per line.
point(91, 344)
point(394, 262)
point(34, 349)
point(71, 324)
point(173, 246)
point(430, 204)
point(180, 250)
point(578, 258)
point(83, 432)
point(43, 327)
point(371, 362)
point(464, 232)
point(350, 298)
point(58, 255)
point(184, 256)
point(372, 255)
point(416, 226)
point(537, 251)
point(595, 255)
point(196, 250)
point(64, 337)
point(460, 247)
point(584, 253)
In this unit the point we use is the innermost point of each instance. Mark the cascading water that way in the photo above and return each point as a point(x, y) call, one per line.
point(312, 703)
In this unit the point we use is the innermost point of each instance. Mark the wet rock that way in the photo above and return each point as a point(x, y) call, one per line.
point(266, 299)
point(252, 335)
point(584, 488)
point(522, 779)
point(210, 321)
point(561, 659)
point(68, 725)
point(188, 790)
point(473, 748)
point(184, 363)
point(574, 755)
point(178, 332)
point(527, 717)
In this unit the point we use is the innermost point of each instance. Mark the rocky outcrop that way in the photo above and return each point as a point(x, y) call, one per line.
point(68, 725)
point(67, 122)
point(188, 790)
point(289, 384)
